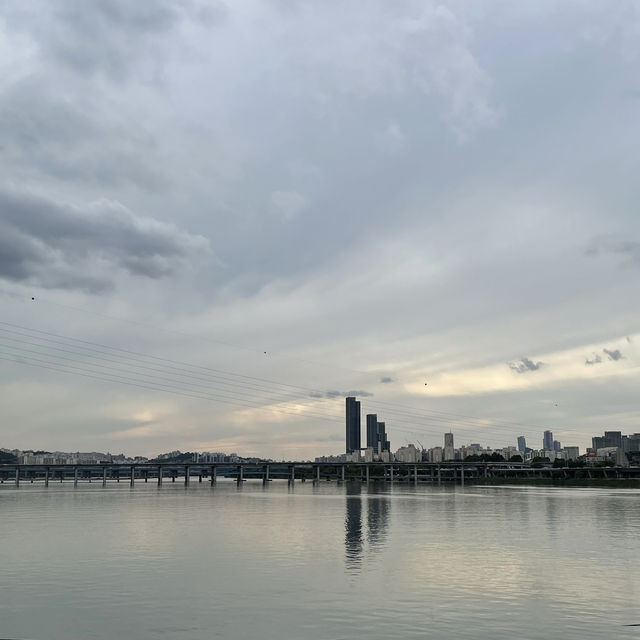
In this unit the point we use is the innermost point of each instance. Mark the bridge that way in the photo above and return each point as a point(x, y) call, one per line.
point(435, 473)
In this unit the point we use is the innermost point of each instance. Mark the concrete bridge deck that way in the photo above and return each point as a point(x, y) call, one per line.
point(421, 472)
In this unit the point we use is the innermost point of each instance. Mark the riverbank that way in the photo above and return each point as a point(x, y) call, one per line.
point(619, 483)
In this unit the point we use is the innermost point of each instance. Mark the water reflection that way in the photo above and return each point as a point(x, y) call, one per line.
point(378, 508)
point(378, 511)
point(353, 526)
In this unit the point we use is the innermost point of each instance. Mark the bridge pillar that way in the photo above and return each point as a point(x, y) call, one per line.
point(390, 473)
point(439, 476)
point(214, 473)
point(267, 469)
point(293, 473)
point(186, 475)
point(17, 476)
point(133, 476)
point(159, 475)
point(104, 476)
point(75, 476)
point(415, 474)
point(462, 475)
point(318, 473)
point(46, 476)
point(342, 473)
point(367, 473)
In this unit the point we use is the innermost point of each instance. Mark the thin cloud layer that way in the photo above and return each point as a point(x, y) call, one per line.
point(340, 394)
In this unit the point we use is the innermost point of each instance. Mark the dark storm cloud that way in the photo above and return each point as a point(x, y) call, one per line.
point(614, 354)
point(386, 380)
point(56, 245)
point(524, 365)
point(595, 360)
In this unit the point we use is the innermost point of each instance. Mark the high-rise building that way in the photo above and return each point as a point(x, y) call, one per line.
point(522, 444)
point(557, 445)
point(353, 425)
point(372, 431)
point(547, 441)
point(383, 443)
point(613, 438)
point(449, 452)
point(610, 439)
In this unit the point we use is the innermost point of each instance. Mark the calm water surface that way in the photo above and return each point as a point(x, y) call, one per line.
point(309, 562)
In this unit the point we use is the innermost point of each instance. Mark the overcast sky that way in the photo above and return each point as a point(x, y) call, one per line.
point(217, 219)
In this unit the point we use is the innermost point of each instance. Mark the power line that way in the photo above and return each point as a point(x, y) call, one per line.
point(279, 390)
point(89, 373)
point(239, 379)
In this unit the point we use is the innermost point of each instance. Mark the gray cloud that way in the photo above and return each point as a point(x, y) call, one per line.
point(386, 379)
point(612, 244)
point(338, 394)
point(55, 245)
point(111, 36)
point(524, 365)
point(614, 354)
point(595, 360)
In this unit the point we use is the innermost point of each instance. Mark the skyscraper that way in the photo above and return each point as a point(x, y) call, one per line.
point(449, 452)
point(383, 443)
point(353, 425)
point(372, 431)
point(547, 441)
point(522, 444)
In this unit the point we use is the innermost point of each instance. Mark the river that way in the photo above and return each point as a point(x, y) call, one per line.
point(325, 561)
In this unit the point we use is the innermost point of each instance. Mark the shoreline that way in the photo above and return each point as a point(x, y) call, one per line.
point(624, 483)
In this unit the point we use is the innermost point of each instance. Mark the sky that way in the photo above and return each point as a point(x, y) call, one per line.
point(218, 219)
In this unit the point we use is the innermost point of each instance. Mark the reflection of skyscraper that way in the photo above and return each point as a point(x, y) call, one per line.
point(522, 444)
point(353, 526)
point(547, 441)
point(378, 507)
point(353, 425)
point(372, 431)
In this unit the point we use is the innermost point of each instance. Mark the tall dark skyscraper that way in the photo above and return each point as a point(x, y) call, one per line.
point(384, 445)
point(522, 444)
point(547, 441)
point(353, 425)
point(372, 431)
